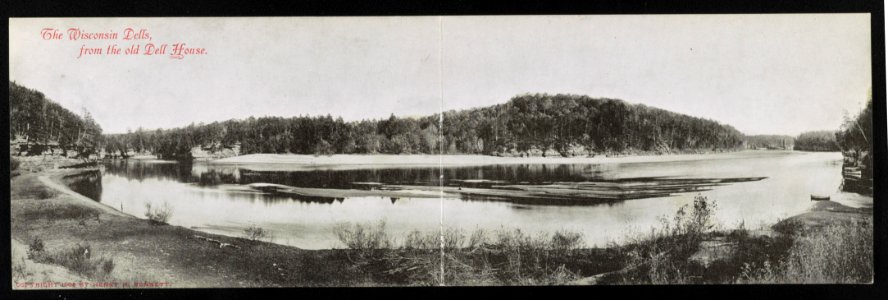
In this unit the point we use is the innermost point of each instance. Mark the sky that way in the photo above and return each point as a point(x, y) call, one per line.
point(763, 74)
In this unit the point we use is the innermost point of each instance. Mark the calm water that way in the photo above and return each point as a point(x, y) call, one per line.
point(202, 197)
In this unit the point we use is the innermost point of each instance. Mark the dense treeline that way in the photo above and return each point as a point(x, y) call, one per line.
point(817, 141)
point(566, 122)
point(301, 134)
point(855, 139)
point(38, 124)
point(856, 133)
point(784, 142)
point(548, 124)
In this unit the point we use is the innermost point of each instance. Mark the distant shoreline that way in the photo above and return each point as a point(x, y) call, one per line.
point(428, 160)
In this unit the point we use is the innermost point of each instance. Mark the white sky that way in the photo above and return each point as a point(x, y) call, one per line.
point(764, 74)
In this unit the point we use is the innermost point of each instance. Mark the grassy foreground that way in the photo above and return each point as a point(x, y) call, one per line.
point(830, 244)
point(61, 236)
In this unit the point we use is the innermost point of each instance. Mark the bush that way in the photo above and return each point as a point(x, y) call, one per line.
point(256, 233)
point(76, 258)
point(566, 240)
point(478, 238)
point(80, 260)
point(789, 227)
point(107, 266)
point(357, 237)
point(36, 249)
point(661, 256)
point(453, 238)
point(158, 215)
point(416, 240)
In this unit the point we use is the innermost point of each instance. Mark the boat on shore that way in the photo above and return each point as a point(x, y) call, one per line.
point(819, 197)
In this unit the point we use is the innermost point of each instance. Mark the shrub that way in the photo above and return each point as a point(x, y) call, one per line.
point(36, 249)
point(256, 233)
point(478, 238)
point(566, 240)
point(661, 256)
point(158, 214)
point(76, 258)
point(696, 223)
point(357, 237)
point(417, 240)
point(789, 226)
point(453, 238)
point(107, 266)
point(80, 260)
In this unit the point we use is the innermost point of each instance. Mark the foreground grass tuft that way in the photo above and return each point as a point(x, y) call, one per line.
point(79, 259)
point(158, 215)
point(837, 253)
point(685, 249)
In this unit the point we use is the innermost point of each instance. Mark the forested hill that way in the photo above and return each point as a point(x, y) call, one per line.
point(823, 140)
point(38, 125)
point(530, 124)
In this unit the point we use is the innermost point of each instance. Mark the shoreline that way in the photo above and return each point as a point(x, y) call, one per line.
point(283, 162)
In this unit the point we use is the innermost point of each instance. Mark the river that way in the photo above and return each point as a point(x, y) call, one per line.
point(202, 196)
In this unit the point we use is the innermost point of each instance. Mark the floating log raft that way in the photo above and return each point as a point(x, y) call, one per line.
point(551, 193)
point(590, 192)
point(324, 193)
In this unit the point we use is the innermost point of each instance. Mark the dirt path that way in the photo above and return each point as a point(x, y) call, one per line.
point(54, 183)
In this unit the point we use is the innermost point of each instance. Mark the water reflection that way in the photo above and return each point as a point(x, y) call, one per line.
point(210, 174)
point(87, 183)
point(213, 198)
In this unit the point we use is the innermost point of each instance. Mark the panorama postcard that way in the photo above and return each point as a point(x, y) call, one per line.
point(440, 151)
